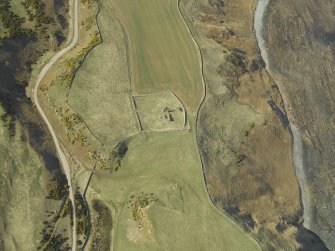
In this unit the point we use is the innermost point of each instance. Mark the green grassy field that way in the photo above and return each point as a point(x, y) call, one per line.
point(158, 192)
point(160, 112)
point(166, 166)
point(162, 54)
point(100, 92)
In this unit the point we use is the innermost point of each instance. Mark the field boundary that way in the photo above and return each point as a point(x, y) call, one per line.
point(87, 52)
point(129, 94)
point(186, 125)
point(129, 67)
point(138, 85)
point(199, 55)
point(204, 181)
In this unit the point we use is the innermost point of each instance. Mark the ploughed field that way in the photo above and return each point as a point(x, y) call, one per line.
point(163, 56)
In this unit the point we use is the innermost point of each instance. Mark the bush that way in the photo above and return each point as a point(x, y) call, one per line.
point(82, 215)
point(12, 23)
point(61, 188)
point(35, 10)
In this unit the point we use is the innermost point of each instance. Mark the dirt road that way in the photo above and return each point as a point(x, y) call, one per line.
point(61, 155)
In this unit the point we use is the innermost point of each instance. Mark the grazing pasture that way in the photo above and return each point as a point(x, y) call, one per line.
point(156, 193)
point(160, 112)
point(100, 91)
point(160, 199)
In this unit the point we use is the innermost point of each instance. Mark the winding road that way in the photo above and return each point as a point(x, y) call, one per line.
point(61, 155)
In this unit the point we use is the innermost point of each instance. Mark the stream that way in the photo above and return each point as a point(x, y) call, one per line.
point(297, 141)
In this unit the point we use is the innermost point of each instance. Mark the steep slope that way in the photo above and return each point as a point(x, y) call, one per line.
point(306, 37)
point(28, 158)
point(22, 193)
point(243, 133)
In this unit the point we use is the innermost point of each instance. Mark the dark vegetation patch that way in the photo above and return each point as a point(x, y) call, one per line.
point(279, 113)
point(21, 47)
point(7, 121)
point(12, 23)
point(237, 62)
point(56, 243)
point(22, 42)
point(73, 64)
point(66, 210)
point(217, 5)
point(118, 154)
point(246, 219)
point(114, 161)
point(103, 226)
point(257, 64)
point(35, 11)
point(50, 238)
point(234, 64)
point(268, 239)
point(59, 187)
point(137, 203)
point(82, 215)
point(310, 241)
point(60, 11)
